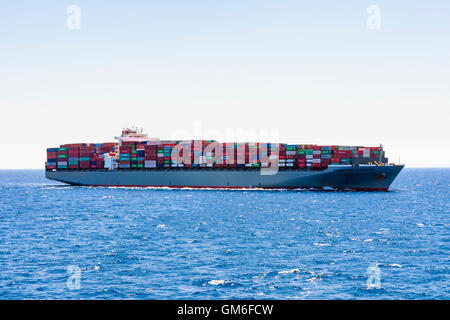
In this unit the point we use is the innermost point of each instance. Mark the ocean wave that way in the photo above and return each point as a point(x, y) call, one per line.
point(289, 271)
point(219, 282)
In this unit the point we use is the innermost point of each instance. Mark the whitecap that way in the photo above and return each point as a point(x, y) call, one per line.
point(289, 271)
point(322, 244)
point(161, 226)
point(395, 265)
point(368, 240)
point(311, 279)
point(218, 282)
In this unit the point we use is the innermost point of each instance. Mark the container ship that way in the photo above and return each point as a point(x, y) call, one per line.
point(136, 160)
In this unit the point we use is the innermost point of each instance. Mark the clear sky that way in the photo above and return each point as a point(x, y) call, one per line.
point(304, 71)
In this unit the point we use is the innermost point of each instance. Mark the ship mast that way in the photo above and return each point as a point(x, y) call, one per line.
point(381, 153)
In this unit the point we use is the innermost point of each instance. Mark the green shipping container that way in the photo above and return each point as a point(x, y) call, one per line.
point(85, 158)
point(63, 149)
point(62, 155)
point(140, 165)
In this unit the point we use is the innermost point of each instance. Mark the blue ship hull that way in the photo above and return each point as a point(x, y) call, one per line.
point(363, 177)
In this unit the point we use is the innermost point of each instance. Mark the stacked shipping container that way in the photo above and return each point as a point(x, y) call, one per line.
point(79, 156)
point(206, 153)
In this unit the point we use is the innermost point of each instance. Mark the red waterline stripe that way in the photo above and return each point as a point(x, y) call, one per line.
point(233, 187)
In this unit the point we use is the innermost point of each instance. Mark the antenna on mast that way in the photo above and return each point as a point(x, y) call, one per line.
point(381, 153)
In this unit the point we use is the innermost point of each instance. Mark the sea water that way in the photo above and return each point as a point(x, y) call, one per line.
point(65, 242)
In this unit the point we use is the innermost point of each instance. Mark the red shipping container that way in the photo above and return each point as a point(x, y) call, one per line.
point(51, 155)
point(85, 155)
point(343, 153)
point(85, 164)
